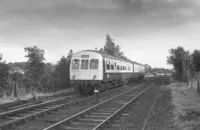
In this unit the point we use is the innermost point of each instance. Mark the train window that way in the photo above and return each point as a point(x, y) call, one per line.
point(115, 66)
point(75, 64)
point(108, 65)
point(94, 64)
point(118, 67)
point(84, 64)
point(112, 66)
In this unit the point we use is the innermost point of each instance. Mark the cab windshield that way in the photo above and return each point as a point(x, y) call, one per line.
point(75, 64)
point(84, 64)
point(94, 64)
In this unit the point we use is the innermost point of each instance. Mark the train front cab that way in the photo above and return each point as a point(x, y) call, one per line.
point(86, 70)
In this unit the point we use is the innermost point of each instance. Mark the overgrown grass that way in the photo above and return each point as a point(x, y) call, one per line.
point(187, 105)
point(23, 95)
point(6, 99)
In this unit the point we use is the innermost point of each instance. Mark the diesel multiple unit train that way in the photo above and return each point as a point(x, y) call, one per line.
point(94, 70)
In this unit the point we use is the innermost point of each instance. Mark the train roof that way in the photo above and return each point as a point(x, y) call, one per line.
point(114, 57)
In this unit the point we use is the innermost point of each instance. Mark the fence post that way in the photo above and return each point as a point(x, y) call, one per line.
point(15, 90)
point(191, 83)
point(198, 86)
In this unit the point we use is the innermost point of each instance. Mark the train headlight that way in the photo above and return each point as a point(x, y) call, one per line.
point(94, 77)
point(73, 77)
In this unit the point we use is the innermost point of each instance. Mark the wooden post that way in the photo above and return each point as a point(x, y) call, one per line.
point(198, 86)
point(15, 90)
point(191, 82)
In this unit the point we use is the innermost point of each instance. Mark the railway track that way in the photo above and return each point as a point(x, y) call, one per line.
point(11, 104)
point(152, 110)
point(96, 117)
point(23, 103)
point(18, 105)
point(155, 119)
point(21, 113)
point(14, 117)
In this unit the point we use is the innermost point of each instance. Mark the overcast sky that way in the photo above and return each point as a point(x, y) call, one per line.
point(145, 29)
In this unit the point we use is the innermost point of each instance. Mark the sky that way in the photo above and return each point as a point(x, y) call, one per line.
point(145, 29)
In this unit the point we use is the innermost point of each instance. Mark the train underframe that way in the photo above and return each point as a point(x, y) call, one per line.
point(86, 87)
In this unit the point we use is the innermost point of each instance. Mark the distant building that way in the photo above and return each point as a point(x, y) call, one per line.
point(147, 68)
point(17, 69)
point(162, 71)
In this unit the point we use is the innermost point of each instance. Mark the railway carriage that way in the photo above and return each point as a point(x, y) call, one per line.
point(90, 69)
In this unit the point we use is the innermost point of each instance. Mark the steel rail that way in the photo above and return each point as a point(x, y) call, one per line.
point(83, 113)
point(151, 109)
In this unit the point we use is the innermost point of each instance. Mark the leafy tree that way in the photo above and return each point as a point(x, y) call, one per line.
point(4, 72)
point(180, 59)
point(61, 75)
point(47, 78)
point(117, 51)
point(16, 76)
point(101, 50)
point(49, 67)
point(21, 65)
point(196, 60)
point(62, 67)
point(1, 57)
point(111, 48)
point(46, 82)
point(35, 65)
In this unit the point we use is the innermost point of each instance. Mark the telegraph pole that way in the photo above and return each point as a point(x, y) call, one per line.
point(183, 66)
point(191, 71)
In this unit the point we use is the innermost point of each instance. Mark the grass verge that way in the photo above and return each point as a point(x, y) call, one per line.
point(22, 95)
point(187, 105)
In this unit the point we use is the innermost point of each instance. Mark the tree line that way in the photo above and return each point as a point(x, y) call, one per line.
point(36, 75)
point(186, 64)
